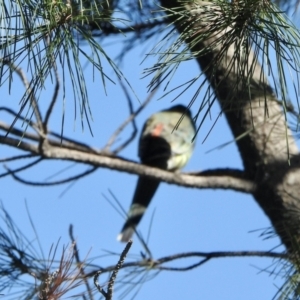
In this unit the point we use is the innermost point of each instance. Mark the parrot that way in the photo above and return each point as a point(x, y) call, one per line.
point(166, 142)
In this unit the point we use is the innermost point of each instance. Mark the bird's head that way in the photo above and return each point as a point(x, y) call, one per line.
point(181, 109)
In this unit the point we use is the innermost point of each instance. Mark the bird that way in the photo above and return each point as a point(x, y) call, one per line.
point(166, 142)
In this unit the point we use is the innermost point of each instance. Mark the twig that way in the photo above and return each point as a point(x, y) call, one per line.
point(187, 268)
point(21, 145)
point(20, 133)
point(72, 142)
point(21, 168)
point(19, 116)
point(25, 134)
point(98, 286)
point(222, 254)
point(34, 183)
point(130, 119)
point(116, 270)
point(54, 97)
point(29, 92)
point(65, 143)
point(17, 157)
point(79, 263)
point(136, 28)
point(108, 295)
point(206, 256)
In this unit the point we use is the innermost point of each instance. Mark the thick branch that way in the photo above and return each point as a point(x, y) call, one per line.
point(115, 163)
point(214, 179)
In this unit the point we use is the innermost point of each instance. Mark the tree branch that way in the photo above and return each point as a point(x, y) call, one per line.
point(31, 95)
point(80, 263)
point(36, 183)
point(27, 166)
point(223, 179)
point(130, 119)
point(205, 256)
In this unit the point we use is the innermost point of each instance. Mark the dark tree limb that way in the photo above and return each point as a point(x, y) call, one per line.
point(36, 183)
point(204, 257)
point(53, 150)
point(27, 166)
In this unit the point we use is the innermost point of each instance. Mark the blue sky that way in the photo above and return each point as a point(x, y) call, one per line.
point(184, 219)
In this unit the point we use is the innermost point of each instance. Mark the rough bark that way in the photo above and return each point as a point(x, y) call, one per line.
point(266, 149)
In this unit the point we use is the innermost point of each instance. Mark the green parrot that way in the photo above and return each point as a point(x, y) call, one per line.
point(162, 145)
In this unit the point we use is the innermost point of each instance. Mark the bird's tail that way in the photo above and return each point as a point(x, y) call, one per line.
point(144, 192)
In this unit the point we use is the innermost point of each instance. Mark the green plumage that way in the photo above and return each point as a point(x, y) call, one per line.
point(165, 143)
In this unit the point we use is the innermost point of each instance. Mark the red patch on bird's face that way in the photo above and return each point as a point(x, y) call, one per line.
point(157, 130)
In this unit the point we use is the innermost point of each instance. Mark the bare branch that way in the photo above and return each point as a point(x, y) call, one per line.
point(9, 172)
point(108, 295)
point(35, 183)
point(20, 133)
point(65, 142)
point(54, 150)
point(72, 151)
point(222, 182)
point(72, 143)
point(54, 97)
point(19, 116)
point(17, 157)
point(157, 264)
point(136, 28)
point(29, 92)
point(98, 286)
point(80, 263)
point(16, 143)
point(187, 268)
point(122, 127)
point(219, 254)
point(130, 119)
point(116, 270)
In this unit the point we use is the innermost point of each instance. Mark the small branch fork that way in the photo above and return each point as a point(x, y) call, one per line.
point(108, 295)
